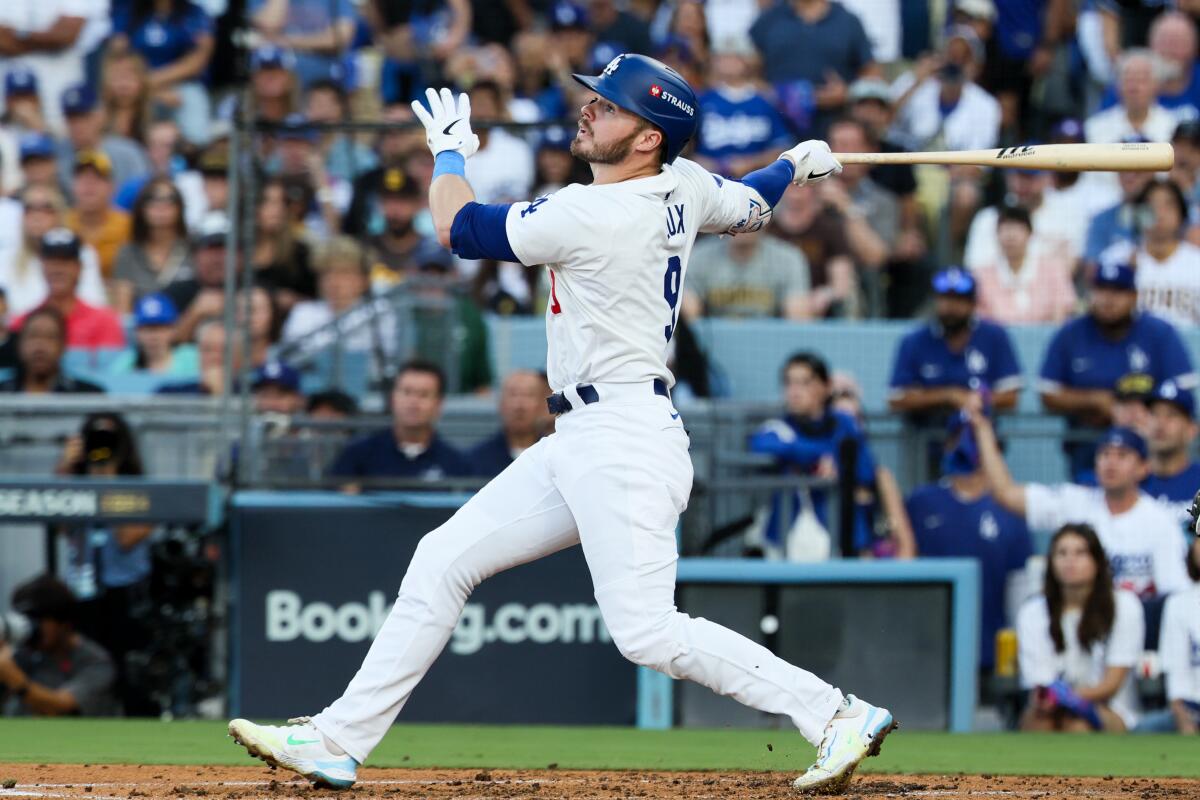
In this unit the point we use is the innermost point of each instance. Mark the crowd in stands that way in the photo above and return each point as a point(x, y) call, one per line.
point(115, 151)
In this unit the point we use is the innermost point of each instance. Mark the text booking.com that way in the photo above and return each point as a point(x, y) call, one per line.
point(289, 619)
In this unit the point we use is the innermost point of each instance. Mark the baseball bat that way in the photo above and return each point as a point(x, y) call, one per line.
point(1135, 157)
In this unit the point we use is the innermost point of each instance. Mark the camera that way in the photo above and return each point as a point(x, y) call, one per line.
point(15, 628)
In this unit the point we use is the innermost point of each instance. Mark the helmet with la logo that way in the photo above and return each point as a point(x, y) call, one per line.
point(652, 90)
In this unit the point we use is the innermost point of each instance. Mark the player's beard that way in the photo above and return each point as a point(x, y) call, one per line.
point(612, 153)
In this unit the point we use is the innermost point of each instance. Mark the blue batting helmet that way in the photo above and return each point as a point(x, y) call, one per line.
point(653, 91)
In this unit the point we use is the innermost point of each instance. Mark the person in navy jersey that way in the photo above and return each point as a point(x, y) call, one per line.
point(175, 37)
point(524, 419)
point(811, 51)
point(1174, 477)
point(1089, 354)
point(411, 448)
point(740, 130)
point(813, 439)
point(941, 365)
point(957, 517)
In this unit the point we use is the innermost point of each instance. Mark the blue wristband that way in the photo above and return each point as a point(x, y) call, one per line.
point(449, 162)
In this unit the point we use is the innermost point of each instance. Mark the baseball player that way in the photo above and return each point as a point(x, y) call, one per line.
point(615, 474)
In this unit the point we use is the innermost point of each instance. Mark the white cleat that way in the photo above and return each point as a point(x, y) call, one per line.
point(855, 732)
point(298, 747)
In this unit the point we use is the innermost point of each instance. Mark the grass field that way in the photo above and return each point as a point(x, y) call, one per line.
point(500, 747)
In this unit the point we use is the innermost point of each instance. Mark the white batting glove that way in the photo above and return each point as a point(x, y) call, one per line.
point(813, 162)
point(447, 125)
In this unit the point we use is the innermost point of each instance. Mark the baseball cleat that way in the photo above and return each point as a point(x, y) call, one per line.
point(299, 747)
point(855, 732)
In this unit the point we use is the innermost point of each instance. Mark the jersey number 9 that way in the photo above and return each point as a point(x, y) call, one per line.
point(671, 290)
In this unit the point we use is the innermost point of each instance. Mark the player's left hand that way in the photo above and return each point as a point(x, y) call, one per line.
point(447, 124)
point(813, 162)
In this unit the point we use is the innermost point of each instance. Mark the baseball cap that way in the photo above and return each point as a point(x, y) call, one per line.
point(395, 182)
point(155, 309)
point(35, 145)
point(979, 9)
point(1114, 276)
point(555, 137)
point(566, 15)
point(213, 230)
point(734, 45)
point(954, 281)
point(20, 81)
point(93, 159)
point(968, 35)
point(60, 243)
point(1067, 130)
point(276, 373)
point(1171, 392)
point(1135, 386)
point(78, 100)
point(1123, 437)
point(430, 256)
point(214, 161)
point(295, 127)
point(602, 53)
point(870, 89)
point(272, 56)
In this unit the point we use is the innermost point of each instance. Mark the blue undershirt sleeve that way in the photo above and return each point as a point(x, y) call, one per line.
point(479, 231)
point(771, 181)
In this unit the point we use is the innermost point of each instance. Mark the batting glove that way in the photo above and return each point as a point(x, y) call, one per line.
point(447, 125)
point(1194, 513)
point(813, 162)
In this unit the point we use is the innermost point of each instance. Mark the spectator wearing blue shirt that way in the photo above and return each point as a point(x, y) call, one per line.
point(1089, 355)
point(941, 365)
point(958, 517)
point(411, 448)
point(317, 31)
point(524, 418)
point(1119, 222)
point(815, 440)
point(1174, 477)
point(740, 130)
point(811, 51)
point(175, 37)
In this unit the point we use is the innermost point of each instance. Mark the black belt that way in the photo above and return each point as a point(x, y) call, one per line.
point(558, 403)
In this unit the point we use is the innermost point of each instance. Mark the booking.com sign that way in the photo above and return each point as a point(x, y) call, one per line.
point(288, 619)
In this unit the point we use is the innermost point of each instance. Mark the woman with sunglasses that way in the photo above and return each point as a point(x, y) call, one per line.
point(43, 208)
point(158, 253)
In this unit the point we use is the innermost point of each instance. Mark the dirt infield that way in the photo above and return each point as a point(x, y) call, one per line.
point(118, 782)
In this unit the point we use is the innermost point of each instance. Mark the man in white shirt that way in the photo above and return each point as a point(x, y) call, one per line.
point(950, 110)
point(1140, 535)
point(1138, 113)
point(51, 38)
point(1057, 226)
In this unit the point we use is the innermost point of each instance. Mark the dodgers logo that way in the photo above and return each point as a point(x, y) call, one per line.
point(612, 65)
point(1138, 360)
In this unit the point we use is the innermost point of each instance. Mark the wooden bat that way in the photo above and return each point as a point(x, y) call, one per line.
point(1138, 157)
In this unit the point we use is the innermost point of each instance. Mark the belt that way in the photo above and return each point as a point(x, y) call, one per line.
point(558, 403)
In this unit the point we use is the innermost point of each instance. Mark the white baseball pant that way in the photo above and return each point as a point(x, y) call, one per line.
point(614, 477)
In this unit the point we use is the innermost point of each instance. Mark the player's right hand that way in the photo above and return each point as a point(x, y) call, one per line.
point(813, 162)
point(447, 124)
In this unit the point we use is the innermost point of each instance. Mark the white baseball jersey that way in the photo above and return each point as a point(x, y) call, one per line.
point(1179, 645)
point(1170, 288)
point(1041, 665)
point(1144, 545)
point(617, 255)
